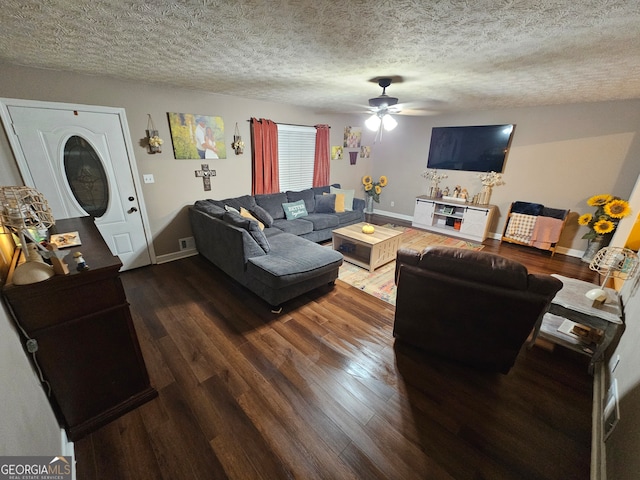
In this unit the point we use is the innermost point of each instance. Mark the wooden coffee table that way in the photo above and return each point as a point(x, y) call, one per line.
point(367, 250)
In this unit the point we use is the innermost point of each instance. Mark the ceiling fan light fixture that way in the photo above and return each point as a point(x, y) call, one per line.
point(389, 123)
point(373, 122)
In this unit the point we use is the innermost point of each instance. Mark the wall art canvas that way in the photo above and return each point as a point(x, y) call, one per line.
point(336, 152)
point(197, 137)
point(365, 152)
point(352, 137)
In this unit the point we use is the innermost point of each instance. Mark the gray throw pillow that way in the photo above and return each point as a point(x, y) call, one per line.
point(259, 236)
point(251, 227)
point(306, 195)
point(262, 215)
point(272, 203)
point(326, 203)
point(210, 207)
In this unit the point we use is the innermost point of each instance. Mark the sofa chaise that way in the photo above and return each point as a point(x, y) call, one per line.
point(268, 243)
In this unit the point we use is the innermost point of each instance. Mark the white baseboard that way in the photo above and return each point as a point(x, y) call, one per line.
point(598, 452)
point(571, 252)
point(399, 216)
point(170, 257)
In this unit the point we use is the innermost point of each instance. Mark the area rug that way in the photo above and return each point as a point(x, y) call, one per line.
point(380, 283)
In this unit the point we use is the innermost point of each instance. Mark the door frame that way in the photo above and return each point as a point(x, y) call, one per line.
point(23, 166)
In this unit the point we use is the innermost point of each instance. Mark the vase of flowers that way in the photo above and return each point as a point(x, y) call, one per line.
point(593, 246)
point(435, 178)
point(488, 180)
point(602, 223)
point(368, 207)
point(373, 190)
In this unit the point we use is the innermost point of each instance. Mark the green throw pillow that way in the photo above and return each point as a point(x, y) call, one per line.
point(294, 210)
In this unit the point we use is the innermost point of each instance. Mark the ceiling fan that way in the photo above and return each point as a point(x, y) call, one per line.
point(382, 107)
point(419, 108)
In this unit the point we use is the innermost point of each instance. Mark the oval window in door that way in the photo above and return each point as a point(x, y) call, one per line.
point(86, 176)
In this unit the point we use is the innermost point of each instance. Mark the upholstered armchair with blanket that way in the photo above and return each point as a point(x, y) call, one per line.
point(473, 307)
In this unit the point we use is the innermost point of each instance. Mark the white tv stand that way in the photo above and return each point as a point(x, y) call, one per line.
point(452, 217)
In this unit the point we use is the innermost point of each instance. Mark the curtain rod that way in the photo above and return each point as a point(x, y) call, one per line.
point(291, 124)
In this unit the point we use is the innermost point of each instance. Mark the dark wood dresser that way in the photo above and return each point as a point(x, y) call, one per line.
point(87, 346)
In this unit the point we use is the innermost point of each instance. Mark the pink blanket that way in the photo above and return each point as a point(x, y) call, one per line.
point(546, 231)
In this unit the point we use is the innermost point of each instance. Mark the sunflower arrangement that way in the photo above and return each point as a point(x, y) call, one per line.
point(609, 211)
point(374, 189)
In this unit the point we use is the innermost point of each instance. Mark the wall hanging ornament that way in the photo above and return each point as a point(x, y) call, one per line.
point(153, 140)
point(238, 144)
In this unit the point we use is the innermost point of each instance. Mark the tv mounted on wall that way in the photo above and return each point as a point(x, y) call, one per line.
point(474, 149)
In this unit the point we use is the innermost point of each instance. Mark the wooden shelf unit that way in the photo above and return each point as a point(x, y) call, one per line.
point(454, 218)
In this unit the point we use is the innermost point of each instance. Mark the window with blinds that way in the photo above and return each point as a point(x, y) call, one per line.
point(296, 152)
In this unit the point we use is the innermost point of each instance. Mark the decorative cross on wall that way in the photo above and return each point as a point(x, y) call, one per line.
point(206, 175)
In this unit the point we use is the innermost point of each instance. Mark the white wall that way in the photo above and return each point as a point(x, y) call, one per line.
point(622, 459)
point(27, 423)
point(622, 446)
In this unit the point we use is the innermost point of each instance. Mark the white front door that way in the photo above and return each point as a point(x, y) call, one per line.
point(77, 157)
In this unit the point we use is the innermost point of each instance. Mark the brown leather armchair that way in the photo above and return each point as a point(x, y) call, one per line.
point(473, 307)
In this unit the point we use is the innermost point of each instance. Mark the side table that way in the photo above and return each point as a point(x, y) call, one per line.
point(570, 303)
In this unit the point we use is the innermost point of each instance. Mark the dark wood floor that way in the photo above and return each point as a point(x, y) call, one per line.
point(320, 391)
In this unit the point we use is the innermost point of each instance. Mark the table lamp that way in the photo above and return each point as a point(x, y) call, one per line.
point(26, 213)
point(612, 262)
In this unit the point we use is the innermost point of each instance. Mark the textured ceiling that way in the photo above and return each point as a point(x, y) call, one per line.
point(451, 54)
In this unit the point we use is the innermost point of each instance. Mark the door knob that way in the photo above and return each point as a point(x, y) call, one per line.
point(132, 210)
point(131, 199)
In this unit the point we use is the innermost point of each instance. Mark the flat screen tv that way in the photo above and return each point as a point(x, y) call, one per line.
point(474, 149)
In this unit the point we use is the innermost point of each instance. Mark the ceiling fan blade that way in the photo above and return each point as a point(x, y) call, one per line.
point(417, 112)
point(424, 108)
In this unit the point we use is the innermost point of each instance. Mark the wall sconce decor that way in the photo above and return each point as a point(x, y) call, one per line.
point(238, 144)
point(153, 140)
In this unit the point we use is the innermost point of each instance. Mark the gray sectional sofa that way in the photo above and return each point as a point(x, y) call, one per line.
point(281, 260)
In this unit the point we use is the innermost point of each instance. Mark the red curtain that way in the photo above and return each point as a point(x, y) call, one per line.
point(322, 157)
point(264, 136)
